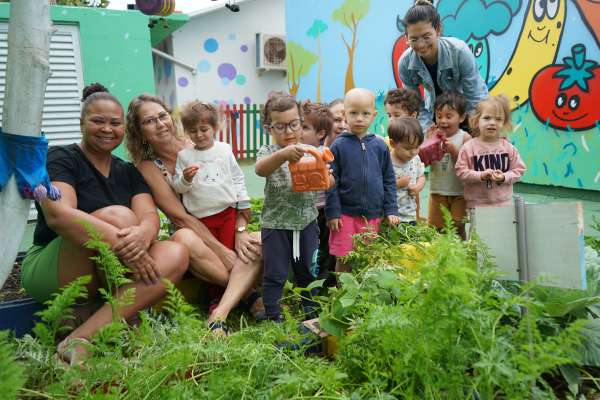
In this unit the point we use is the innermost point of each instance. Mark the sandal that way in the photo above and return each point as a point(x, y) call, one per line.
point(73, 351)
point(254, 305)
point(218, 328)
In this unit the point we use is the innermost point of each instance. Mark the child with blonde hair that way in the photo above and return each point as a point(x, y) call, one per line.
point(489, 164)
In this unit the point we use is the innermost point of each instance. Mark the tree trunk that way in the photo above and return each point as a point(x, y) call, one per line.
point(349, 79)
point(27, 72)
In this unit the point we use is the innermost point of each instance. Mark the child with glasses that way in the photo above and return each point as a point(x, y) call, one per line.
point(289, 233)
point(366, 184)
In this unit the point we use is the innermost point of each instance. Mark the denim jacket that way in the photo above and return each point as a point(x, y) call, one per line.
point(364, 176)
point(457, 71)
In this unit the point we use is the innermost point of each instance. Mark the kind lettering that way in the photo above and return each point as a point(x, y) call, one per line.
point(491, 161)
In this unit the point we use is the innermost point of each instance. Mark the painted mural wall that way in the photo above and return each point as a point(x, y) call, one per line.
point(543, 54)
point(222, 47)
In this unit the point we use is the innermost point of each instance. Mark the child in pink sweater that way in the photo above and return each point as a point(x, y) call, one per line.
point(489, 165)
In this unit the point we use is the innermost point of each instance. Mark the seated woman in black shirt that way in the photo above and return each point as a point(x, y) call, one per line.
point(111, 195)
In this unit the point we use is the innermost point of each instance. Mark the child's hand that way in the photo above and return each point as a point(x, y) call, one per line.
point(392, 219)
point(448, 146)
point(334, 224)
point(487, 174)
point(431, 131)
point(293, 153)
point(190, 172)
point(403, 181)
point(412, 190)
point(498, 176)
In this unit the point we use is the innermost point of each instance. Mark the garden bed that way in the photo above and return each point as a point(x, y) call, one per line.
point(416, 318)
point(12, 287)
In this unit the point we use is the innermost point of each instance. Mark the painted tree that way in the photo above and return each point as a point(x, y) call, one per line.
point(315, 31)
point(27, 72)
point(299, 61)
point(349, 14)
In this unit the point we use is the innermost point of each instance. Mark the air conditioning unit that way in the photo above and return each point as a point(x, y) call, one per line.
point(270, 52)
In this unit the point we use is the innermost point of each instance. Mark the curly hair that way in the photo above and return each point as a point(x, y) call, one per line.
point(138, 148)
point(318, 115)
point(279, 102)
point(408, 99)
point(196, 111)
point(501, 105)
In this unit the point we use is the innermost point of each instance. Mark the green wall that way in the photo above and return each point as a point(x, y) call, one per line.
point(115, 47)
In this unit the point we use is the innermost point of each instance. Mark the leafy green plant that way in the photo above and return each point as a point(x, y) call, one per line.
point(12, 373)
point(449, 334)
point(59, 311)
point(115, 273)
point(256, 206)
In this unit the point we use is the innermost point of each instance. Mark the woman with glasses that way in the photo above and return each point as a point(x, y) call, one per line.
point(108, 194)
point(440, 64)
point(154, 142)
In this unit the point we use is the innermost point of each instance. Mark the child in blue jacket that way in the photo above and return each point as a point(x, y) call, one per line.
point(365, 193)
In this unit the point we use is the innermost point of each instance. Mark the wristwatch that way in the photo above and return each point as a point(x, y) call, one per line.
point(241, 229)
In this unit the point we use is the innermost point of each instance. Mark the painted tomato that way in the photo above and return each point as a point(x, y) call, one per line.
point(565, 96)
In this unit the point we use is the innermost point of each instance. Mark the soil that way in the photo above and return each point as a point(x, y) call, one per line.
point(12, 287)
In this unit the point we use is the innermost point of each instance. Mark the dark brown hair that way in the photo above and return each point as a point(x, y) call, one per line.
point(408, 99)
point(93, 92)
point(196, 112)
point(318, 115)
point(452, 100)
point(422, 11)
point(279, 102)
point(405, 130)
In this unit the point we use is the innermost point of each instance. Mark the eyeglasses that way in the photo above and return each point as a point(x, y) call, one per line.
point(162, 117)
point(425, 39)
point(281, 128)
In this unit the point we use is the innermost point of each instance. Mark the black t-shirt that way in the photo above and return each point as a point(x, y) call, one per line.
point(433, 69)
point(69, 164)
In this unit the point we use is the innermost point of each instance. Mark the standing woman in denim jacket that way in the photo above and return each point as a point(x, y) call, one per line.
point(440, 64)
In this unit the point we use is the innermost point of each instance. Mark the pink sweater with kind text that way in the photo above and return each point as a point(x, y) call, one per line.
point(475, 157)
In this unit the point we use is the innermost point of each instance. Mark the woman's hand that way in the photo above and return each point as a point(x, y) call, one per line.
point(247, 247)
point(227, 257)
point(144, 268)
point(131, 243)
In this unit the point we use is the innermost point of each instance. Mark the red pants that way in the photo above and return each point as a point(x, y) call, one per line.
point(222, 226)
